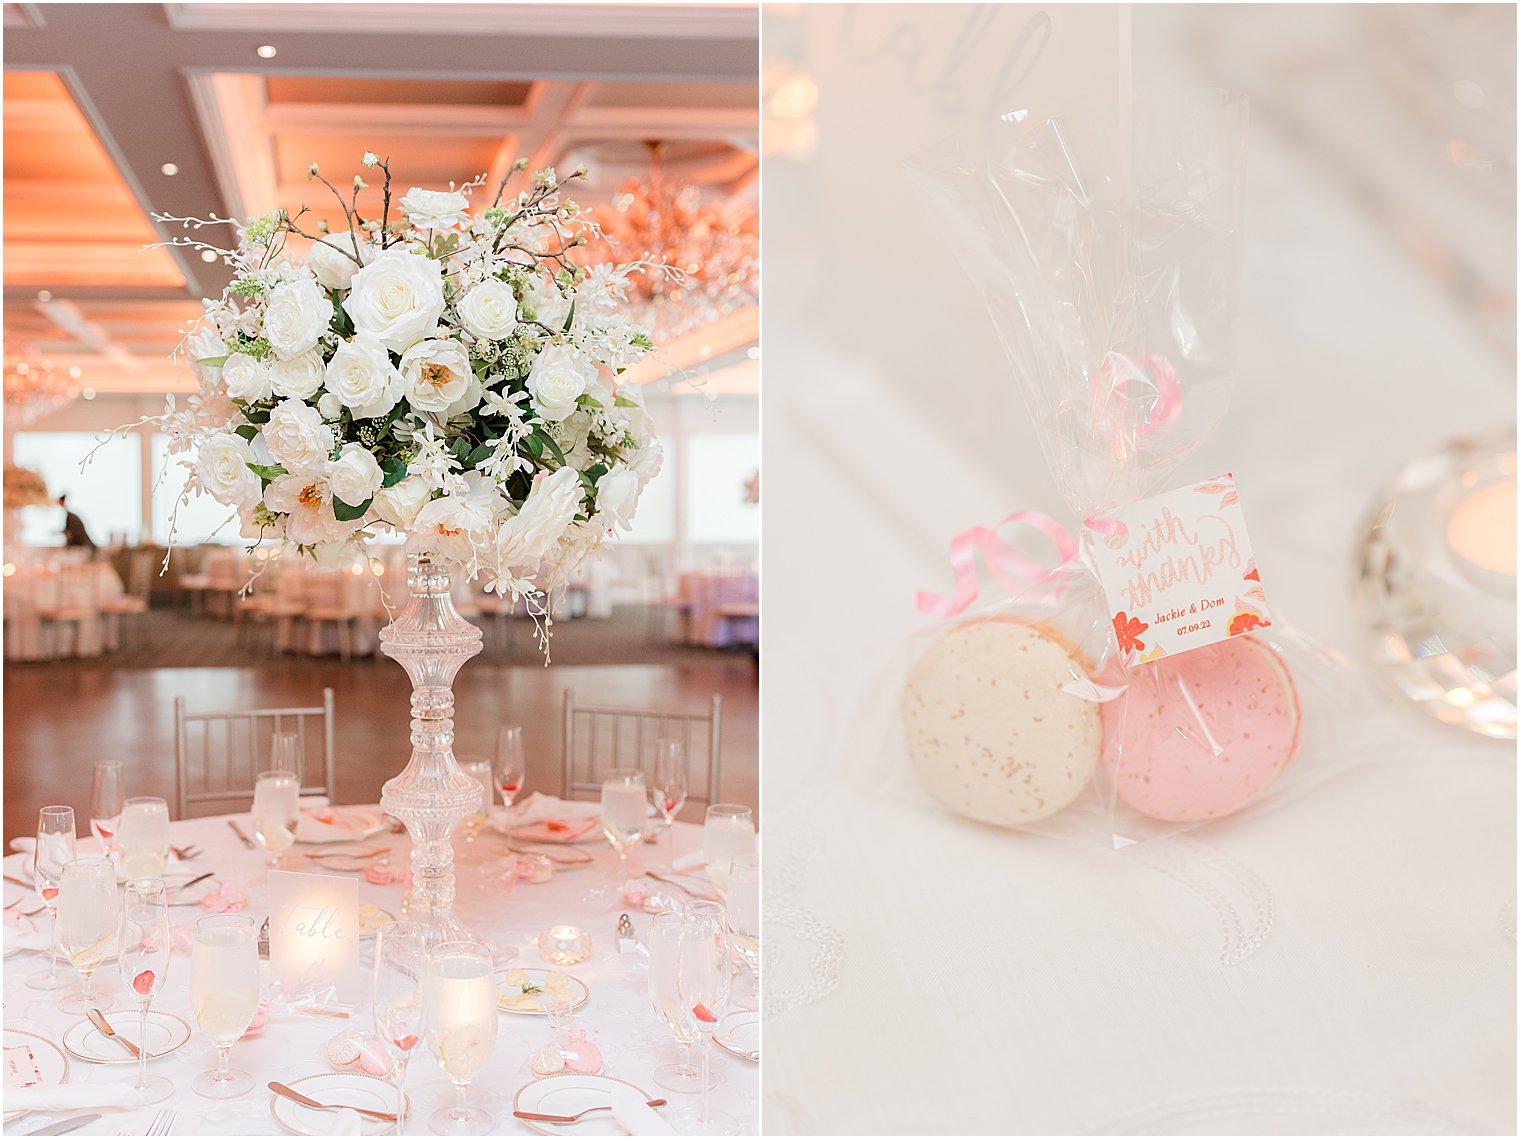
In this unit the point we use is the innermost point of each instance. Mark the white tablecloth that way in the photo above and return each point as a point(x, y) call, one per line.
point(929, 975)
point(706, 592)
point(35, 587)
point(630, 1036)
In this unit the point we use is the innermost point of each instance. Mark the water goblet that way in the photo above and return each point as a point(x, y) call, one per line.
point(727, 833)
point(56, 848)
point(477, 768)
point(224, 991)
point(665, 946)
point(88, 905)
point(276, 810)
point(144, 836)
point(742, 913)
point(400, 962)
point(142, 954)
point(459, 1015)
point(624, 813)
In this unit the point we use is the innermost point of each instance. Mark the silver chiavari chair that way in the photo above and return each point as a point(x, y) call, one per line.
point(599, 737)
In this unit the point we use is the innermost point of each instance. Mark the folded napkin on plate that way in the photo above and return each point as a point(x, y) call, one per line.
point(538, 808)
point(631, 1109)
point(18, 938)
point(89, 848)
point(322, 823)
point(72, 1097)
point(692, 860)
point(347, 1122)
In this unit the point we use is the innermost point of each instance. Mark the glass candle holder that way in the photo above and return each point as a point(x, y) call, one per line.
point(564, 945)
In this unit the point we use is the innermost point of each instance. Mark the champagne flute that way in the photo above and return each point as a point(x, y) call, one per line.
point(742, 914)
point(511, 763)
point(477, 768)
point(703, 985)
point(665, 944)
point(624, 812)
point(144, 837)
point(276, 810)
point(224, 990)
point(88, 905)
point(459, 1014)
point(728, 833)
point(55, 850)
point(400, 962)
point(106, 802)
point(142, 954)
point(285, 753)
point(670, 782)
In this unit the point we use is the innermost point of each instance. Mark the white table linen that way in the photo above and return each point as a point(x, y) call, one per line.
point(705, 593)
point(619, 1012)
point(35, 587)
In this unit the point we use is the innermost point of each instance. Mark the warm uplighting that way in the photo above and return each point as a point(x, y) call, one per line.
point(168, 169)
point(267, 51)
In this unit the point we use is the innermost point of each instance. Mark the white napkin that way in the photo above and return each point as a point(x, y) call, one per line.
point(633, 1113)
point(88, 848)
point(19, 937)
point(537, 807)
point(348, 1122)
point(73, 1097)
point(691, 860)
point(346, 825)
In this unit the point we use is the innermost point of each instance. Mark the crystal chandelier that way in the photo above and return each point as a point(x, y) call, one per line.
point(713, 248)
point(34, 388)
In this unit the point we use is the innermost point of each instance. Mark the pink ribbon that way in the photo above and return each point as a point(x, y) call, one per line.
point(1017, 571)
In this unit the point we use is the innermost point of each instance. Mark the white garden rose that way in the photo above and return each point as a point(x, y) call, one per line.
point(646, 464)
point(398, 505)
point(246, 378)
point(297, 438)
point(489, 310)
point(307, 500)
point(330, 406)
point(362, 376)
point(332, 258)
point(438, 376)
point(435, 209)
point(205, 344)
point(559, 377)
point(552, 505)
point(295, 317)
point(617, 494)
point(397, 298)
point(354, 475)
point(457, 527)
point(221, 467)
point(298, 377)
point(547, 304)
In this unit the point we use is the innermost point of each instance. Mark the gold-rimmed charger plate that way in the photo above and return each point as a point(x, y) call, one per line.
point(167, 1034)
point(46, 1064)
point(350, 1089)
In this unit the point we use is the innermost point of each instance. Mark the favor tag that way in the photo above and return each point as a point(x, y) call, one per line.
point(1178, 571)
point(314, 937)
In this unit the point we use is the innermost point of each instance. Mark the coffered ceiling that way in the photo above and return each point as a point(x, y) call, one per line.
point(113, 111)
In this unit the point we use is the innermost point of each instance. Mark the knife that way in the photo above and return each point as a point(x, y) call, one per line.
point(98, 1019)
point(306, 1101)
point(237, 830)
point(187, 885)
point(64, 1126)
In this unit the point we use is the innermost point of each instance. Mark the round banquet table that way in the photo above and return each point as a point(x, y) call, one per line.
point(618, 1014)
point(706, 592)
point(33, 588)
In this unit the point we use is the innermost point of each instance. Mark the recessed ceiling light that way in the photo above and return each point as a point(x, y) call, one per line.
point(209, 255)
point(168, 169)
point(267, 51)
point(44, 296)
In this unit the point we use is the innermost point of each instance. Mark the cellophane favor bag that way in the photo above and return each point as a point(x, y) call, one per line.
point(1131, 678)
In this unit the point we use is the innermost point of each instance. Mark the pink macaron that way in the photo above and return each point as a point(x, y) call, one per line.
point(1199, 735)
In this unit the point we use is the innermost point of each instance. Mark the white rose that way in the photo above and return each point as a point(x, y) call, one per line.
point(205, 344)
point(362, 376)
point(330, 406)
point(398, 505)
point(458, 527)
point(354, 475)
point(297, 378)
point(222, 469)
point(548, 305)
point(435, 209)
point(397, 298)
point(247, 379)
point(297, 438)
point(489, 310)
point(332, 259)
point(551, 507)
point(646, 464)
point(307, 500)
point(437, 375)
point(297, 315)
point(617, 494)
point(558, 379)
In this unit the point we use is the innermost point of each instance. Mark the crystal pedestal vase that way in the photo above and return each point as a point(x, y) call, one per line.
point(432, 796)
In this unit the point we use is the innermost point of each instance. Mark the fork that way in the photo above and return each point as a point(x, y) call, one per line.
point(186, 853)
point(162, 1124)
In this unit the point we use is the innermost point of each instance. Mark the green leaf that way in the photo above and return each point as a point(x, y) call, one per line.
point(460, 448)
point(395, 471)
point(346, 513)
point(597, 470)
point(268, 474)
point(587, 402)
point(553, 446)
point(260, 415)
point(536, 445)
point(343, 324)
point(248, 431)
point(480, 454)
point(624, 401)
point(213, 361)
point(569, 316)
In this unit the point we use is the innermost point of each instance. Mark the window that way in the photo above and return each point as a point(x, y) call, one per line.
point(654, 522)
point(199, 517)
point(718, 469)
point(106, 493)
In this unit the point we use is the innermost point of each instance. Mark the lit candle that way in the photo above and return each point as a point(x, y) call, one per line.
point(564, 945)
point(1482, 527)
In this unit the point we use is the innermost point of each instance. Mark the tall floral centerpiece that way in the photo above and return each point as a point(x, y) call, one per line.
point(447, 372)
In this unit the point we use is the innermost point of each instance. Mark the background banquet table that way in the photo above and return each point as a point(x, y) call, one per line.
point(38, 586)
point(619, 1012)
point(706, 593)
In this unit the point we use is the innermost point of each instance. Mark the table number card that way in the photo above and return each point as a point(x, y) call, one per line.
point(1178, 571)
point(314, 936)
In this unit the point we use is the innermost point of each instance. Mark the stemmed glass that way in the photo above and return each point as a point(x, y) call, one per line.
point(670, 779)
point(665, 944)
point(285, 753)
point(624, 813)
point(400, 961)
point(144, 837)
point(106, 802)
point(143, 957)
point(742, 915)
point(88, 905)
point(727, 833)
point(224, 988)
point(511, 763)
point(459, 1014)
point(478, 768)
point(703, 985)
point(55, 850)
point(276, 810)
